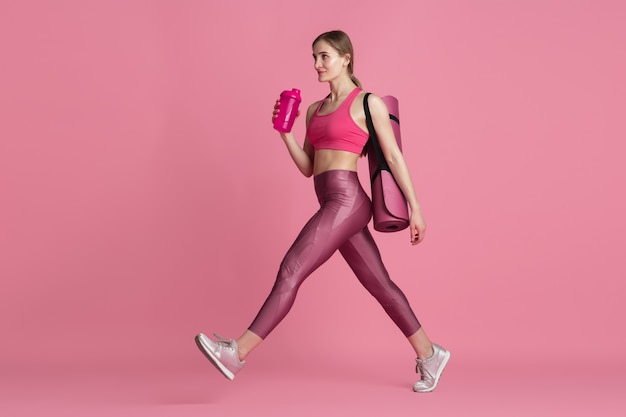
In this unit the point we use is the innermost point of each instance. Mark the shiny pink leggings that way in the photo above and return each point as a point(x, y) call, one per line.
point(340, 223)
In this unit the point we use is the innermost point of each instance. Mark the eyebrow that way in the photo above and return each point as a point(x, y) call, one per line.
point(321, 52)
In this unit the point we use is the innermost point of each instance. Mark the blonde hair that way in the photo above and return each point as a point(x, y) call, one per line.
point(341, 42)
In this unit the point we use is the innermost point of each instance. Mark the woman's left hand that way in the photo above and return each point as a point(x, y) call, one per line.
point(417, 227)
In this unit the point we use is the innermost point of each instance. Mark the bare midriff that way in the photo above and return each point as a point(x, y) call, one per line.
point(331, 159)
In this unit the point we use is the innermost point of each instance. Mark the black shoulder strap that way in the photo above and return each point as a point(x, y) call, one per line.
point(373, 140)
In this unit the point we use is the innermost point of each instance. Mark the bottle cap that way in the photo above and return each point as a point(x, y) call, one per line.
point(293, 93)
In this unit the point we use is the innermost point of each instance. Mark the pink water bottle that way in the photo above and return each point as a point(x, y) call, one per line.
point(287, 110)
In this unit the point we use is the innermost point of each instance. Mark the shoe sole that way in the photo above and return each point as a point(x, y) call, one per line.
point(439, 373)
point(215, 361)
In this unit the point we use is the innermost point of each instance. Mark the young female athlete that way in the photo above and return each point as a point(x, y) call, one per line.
point(335, 138)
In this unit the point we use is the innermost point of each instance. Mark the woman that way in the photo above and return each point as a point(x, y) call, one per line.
point(336, 137)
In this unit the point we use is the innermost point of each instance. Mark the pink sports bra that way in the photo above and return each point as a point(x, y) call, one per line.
point(337, 130)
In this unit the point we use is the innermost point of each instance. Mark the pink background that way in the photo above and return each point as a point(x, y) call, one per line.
point(145, 198)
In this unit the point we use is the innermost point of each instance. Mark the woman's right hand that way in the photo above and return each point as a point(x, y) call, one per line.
point(277, 110)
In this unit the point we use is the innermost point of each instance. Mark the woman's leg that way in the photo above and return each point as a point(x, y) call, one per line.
point(421, 344)
point(345, 209)
point(363, 257)
point(310, 250)
point(247, 343)
point(317, 241)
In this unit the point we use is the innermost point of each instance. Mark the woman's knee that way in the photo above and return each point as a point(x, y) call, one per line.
point(287, 281)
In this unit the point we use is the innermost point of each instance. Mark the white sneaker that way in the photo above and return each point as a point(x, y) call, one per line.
point(430, 369)
point(224, 354)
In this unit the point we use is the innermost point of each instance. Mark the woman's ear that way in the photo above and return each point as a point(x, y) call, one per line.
point(346, 60)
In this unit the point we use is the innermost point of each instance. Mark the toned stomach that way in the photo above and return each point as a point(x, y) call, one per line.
point(329, 159)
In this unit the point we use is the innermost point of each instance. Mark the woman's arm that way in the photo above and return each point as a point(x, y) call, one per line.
point(397, 164)
point(302, 156)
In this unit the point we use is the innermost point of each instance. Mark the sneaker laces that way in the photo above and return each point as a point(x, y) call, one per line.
point(420, 369)
point(224, 342)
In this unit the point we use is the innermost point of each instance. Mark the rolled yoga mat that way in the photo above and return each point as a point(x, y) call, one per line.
point(390, 212)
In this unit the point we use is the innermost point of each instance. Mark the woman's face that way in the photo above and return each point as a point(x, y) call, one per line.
point(328, 63)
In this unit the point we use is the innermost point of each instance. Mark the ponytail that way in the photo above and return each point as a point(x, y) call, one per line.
point(355, 81)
